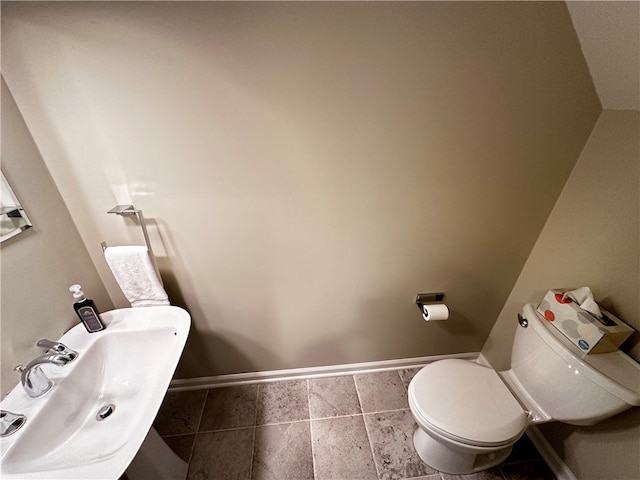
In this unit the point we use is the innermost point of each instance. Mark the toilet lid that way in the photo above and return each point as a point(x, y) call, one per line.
point(467, 402)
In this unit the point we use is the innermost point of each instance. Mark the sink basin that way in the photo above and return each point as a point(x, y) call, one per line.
point(129, 366)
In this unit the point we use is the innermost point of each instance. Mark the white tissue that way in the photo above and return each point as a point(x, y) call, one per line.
point(583, 297)
point(134, 272)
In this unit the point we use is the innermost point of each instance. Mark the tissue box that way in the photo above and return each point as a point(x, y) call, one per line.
point(590, 334)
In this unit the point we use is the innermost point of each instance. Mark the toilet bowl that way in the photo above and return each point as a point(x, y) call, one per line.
point(464, 408)
point(469, 416)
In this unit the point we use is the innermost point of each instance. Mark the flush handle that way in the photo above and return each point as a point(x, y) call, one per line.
point(523, 321)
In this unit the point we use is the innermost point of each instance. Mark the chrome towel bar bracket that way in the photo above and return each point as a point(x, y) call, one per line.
point(126, 211)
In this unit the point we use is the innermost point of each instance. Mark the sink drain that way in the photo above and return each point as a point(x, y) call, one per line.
point(105, 411)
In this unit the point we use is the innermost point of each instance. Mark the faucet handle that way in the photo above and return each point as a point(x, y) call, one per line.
point(58, 347)
point(10, 422)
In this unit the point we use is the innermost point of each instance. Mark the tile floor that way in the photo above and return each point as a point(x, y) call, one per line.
point(346, 427)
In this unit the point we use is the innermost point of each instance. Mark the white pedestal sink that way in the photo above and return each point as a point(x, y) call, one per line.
point(128, 365)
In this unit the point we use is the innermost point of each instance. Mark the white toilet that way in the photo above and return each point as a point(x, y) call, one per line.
point(469, 416)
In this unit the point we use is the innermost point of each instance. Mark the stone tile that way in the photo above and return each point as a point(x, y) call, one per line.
point(230, 407)
point(333, 397)
point(222, 455)
point(181, 445)
point(180, 412)
point(381, 391)
point(490, 474)
point(407, 374)
point(283, 451)
point(282, 402)
point(391, 435)
point(534, 470)
point(341, 449)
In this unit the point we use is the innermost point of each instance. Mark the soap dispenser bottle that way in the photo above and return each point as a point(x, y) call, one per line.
point(86, 310)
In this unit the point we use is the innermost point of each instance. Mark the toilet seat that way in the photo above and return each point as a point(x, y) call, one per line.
point(466, 402)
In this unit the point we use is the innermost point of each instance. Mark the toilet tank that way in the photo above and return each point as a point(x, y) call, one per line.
point(551, 378)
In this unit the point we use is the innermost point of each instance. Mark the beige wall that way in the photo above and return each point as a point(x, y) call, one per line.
point(309, 167)
point(610, 40)
point(591, 238)
point(38, 265)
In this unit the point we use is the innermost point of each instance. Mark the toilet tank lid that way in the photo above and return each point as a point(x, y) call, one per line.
point(616, 371)
point(467, 400)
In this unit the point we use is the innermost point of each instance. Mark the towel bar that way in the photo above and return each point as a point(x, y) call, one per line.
point(126, 211)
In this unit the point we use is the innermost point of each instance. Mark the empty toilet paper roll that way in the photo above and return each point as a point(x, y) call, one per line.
point(437, 311)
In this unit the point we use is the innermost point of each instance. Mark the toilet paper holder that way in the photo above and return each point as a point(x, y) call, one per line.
point(423, 298)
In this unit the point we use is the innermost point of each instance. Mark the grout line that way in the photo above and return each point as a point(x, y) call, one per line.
point(343, 416)
point(204, 403)
point(193, 447)
point(244, 427)
point(501, 472)
point(255, 412)
point(195, 438)
point(366, 430)
point(313, 457)
point(387, 411)
point(253, 451)
point(439, 474)
point(255, 429)
point(231, 429)
point(355, 385)
point(179, 434)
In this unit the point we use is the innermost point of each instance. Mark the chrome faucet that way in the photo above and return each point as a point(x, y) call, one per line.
point(33, 379)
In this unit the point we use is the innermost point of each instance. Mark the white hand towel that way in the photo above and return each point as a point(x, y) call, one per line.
point(134, 272)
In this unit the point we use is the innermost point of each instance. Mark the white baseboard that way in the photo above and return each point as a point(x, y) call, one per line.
point(310, 372)
point(560, 469)
point(482, 360)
